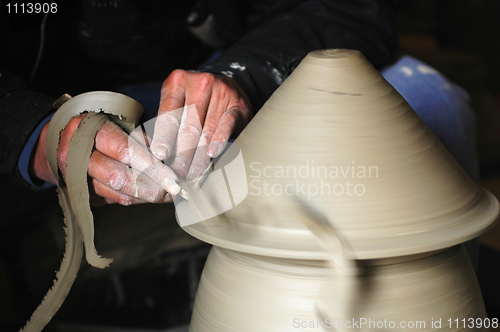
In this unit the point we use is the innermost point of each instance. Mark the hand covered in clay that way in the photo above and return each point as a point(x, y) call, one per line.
point(202, 111)
point(121, 169)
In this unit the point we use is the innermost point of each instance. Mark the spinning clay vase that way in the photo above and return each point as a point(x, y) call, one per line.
point(242, 292)
point(347, 207)
point(338, 137)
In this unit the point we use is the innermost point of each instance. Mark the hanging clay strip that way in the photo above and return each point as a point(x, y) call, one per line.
point(101, 106)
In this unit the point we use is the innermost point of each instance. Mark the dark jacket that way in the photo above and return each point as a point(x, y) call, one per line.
point(104, 44)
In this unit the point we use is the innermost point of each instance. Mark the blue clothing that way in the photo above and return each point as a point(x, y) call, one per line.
point(442, 105)
point(26, 154)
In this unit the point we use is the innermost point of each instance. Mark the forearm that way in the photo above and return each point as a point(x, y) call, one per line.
point(271, 50)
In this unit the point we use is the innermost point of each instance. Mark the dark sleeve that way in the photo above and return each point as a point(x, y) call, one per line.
point(280, 36)
point(21, 110)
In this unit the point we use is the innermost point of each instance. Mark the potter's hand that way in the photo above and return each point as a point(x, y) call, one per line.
point(121, 170)
point(215, 107)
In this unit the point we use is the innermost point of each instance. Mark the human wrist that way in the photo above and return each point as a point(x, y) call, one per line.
point(39, 165)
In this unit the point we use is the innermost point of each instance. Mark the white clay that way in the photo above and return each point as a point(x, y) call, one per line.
point(298, 260)
point(336, 124)
point(246, 293)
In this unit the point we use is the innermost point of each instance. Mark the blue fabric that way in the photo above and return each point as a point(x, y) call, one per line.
point(442, 105)
point(24, 159)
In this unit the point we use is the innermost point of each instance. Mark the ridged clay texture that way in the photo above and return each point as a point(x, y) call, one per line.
point(243, 292)
point(336, 112)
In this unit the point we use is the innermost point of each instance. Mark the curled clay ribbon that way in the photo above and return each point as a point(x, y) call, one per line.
point(101, 106)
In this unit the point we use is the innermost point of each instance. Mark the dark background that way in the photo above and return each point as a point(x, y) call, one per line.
point(461, 38)
point(155, 285)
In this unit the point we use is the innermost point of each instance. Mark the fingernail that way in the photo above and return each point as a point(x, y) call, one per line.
point(216, 148)
point(172, 186)
point(160, 151)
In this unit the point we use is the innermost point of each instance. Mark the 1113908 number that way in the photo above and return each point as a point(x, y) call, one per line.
point(473, 323)
point(32, 8)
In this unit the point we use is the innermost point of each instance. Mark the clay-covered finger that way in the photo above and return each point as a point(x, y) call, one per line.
point(221, 136)
point(173, 93)
point(141, 137)
point(104, 195)
point(116, 144)
point(123, 180)
point(165, 132)
point(148, 166)
point(188, 137)
point(201, 160)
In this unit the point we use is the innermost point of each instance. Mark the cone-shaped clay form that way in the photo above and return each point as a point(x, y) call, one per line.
point(338, 138)
point(242, 292)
